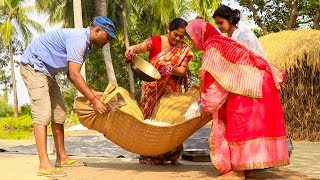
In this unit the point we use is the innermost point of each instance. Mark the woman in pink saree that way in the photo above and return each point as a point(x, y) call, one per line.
point(240, 89)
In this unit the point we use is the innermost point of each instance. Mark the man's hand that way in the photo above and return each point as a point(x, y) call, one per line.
point(97, 93)
point(98, 106)
point(81, 85)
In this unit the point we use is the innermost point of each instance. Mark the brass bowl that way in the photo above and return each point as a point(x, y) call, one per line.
point(144, 70)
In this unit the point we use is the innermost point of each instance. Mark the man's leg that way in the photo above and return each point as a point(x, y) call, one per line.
point(58, 135)
point(62, 156)
point(36, 83)
point(58, 119)
point(40, 135)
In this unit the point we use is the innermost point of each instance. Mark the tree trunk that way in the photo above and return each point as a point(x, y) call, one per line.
point(256, 17)
point(77, 15)
point(13, 79)
point(126, 42)
point(293, 16)
point(108, 61)
point(101, 10)
point(100, 7)
point(316, 21)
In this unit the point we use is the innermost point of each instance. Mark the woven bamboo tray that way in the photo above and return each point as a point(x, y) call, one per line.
point(136, 136)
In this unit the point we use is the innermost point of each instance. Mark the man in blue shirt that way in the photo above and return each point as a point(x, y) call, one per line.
point(61, 50)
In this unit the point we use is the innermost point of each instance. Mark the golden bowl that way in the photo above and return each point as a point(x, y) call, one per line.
point(144, 70)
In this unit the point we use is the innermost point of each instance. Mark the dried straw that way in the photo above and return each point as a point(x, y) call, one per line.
point(287, 49)
point(298, 52)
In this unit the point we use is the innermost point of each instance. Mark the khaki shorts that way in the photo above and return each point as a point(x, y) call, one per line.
point(45, 96)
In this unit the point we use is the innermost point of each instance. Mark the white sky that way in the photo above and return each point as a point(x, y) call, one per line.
point(23, 97)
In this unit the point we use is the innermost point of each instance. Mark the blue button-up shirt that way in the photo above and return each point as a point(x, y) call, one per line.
point(51, 52)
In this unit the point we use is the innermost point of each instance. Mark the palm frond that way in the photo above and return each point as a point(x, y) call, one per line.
point(6, 31)
point(16, 21)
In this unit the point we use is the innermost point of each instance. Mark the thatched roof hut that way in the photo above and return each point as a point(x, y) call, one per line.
point(287, 49)
point(298, 53)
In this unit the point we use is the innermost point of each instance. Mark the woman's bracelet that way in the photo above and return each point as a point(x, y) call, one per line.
point(134, 49)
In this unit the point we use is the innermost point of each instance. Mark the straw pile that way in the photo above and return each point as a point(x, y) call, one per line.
point(124, 124)
point(298, 52)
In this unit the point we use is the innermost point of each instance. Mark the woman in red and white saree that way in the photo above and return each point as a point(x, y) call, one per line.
point(170, 55)
point(241, 90)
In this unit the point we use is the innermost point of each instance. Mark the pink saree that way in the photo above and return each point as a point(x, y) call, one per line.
point(241, 90)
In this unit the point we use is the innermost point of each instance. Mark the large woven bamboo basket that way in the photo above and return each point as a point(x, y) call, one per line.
point(127, 129)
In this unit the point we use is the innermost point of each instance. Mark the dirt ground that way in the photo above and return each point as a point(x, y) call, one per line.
point(24, 166)
point(19, 166)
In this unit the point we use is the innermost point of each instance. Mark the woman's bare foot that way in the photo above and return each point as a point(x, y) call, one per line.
point(234, 175)
point(249, 173)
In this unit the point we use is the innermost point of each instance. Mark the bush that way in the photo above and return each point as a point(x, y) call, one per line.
point(16, 128)
point(72, 119)
point(19, 123)
point(6, 113)
point(5, 110)
point(25, 109)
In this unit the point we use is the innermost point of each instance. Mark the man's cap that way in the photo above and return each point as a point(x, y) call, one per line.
point(106, 24)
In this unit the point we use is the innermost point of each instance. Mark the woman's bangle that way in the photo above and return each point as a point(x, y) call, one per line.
point(92, 98)
point(134, 49)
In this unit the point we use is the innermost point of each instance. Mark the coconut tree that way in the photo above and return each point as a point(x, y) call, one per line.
point(101, 10)
point(157, 13)
point(14, 22)
point(204, 8)
point(59, 11)
point(126, 41)
point(77, 13)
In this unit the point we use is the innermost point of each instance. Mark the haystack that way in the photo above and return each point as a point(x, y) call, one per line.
point(298, 53)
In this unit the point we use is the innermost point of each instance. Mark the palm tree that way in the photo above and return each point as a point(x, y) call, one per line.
point(158, 13)
point(101, 10)
point(77, 13)
point(204, 8)
point(126, 42)
point(58, 11)
point(14, 22)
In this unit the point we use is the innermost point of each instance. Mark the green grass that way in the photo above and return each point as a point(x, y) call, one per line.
point(22, 127)
point(15, 134)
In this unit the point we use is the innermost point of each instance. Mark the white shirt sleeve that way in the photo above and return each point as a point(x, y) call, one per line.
point(248, 38)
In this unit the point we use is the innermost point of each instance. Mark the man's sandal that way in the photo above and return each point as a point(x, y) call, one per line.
point(72, 163)
point(52, 173)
